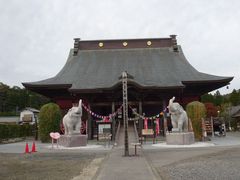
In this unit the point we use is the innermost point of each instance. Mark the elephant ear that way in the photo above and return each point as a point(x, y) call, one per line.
point(69, 110)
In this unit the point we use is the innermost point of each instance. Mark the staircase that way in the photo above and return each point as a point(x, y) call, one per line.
point(132, 135)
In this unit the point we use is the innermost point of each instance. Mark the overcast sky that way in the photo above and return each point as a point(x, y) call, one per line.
point(36, 35)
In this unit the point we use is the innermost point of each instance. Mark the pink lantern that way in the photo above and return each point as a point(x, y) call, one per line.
point(146, 123)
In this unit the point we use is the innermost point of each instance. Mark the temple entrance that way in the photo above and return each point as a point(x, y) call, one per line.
point(137, 114)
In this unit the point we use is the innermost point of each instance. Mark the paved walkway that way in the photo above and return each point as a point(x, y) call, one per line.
point(149, 162)
point(19, 147)
point(11, 119)
point(119, 167)
point(122, 168)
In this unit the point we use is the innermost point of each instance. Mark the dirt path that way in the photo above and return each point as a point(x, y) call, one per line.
point(59, 166)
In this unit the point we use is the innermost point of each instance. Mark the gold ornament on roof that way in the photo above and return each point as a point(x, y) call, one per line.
point(100, 44)
point(125, 43)
point(149, 43)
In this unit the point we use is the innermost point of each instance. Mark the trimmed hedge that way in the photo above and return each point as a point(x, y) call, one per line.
point(8, 131)
point(49, 121)
point(196, 111)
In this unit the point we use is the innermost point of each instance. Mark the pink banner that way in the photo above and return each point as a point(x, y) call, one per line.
point(157, 126)
point(146, 123)
point(106, 119)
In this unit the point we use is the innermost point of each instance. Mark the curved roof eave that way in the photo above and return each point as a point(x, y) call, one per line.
point(47, 86)
point(130, 83)
point(224, 79)
point(159, 68)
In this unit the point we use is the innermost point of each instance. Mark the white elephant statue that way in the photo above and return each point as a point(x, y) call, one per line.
point(73, 119)
point(178, 116)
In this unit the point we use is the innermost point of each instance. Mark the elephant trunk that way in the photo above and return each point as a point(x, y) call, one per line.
point(80, 103)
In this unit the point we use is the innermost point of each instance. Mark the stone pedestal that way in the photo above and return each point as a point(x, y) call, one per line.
point(184, 138)
point(73, 140)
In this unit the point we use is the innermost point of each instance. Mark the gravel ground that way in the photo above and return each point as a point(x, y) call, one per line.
point(221, 165)
point(46, 166)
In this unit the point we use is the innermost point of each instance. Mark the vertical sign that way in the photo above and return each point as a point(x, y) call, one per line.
point(125, 113)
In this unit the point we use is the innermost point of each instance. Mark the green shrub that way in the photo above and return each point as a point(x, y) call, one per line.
point(6, 114)
point(8, 131)
point(4, 131)
point(49, 121)
point(196, 111)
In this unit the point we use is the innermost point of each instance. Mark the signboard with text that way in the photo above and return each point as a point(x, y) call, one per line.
point(104, 130)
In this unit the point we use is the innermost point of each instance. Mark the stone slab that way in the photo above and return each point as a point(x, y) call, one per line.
point(184, 138)
point(74, 140)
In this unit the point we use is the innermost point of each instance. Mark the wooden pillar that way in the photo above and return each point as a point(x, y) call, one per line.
point(165, 117)
point(140, 120)
point(113, 122)
point(89, 124)
point(181, 97)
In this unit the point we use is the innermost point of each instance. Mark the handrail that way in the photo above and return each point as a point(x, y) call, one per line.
point(117, 133)
point(136, 132)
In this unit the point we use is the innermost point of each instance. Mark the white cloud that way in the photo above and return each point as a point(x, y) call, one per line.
point(36, 35)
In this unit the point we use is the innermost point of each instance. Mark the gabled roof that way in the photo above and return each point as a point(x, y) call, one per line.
point(160, 67)
point(237, 115)
point(31, 109)
point(235, 111)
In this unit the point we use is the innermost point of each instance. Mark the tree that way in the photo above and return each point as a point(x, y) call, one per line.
point(234, 98)
point(207, 98)
point(16, 98)
point(3, 96)
point(218, 99)
point(211, 110)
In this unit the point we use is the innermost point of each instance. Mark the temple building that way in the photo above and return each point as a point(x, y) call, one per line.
point(157, 69)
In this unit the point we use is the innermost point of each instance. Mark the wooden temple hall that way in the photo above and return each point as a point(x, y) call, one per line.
point(157, 70)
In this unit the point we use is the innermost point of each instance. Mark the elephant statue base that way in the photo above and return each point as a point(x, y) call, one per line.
point(73, 140)
point(180, 138)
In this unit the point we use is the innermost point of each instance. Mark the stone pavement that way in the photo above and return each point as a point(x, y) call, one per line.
point(118, 167)
point(217, 162)
point(231, 139)
point(210, 162)
point(14, 119)
point(147, 164)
